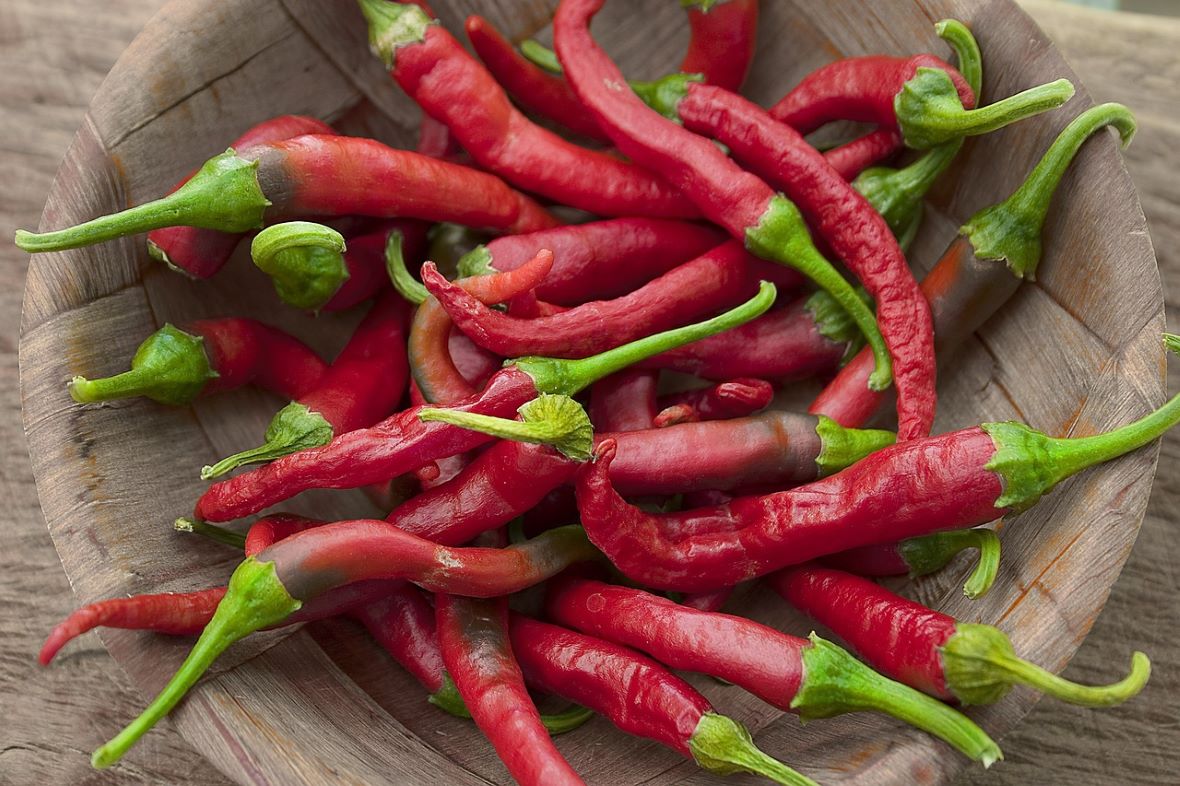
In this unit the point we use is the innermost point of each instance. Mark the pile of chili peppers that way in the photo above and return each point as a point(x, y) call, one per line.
point(591, 406)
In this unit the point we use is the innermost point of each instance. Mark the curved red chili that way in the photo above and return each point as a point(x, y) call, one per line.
point(473, 635)
point(202, 252)
point(733, 399)
point(954, 661)
point(174, 366)
point(403, 442)
point(639, 696)
point(438, 73)
point(721, 40)
point(315, 175)
point(812, 678)
point(625, 401)
point(364, 384)
point(852, 158)
point(950, 481)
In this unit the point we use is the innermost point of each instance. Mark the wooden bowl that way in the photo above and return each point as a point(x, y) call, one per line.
point(1075, 352)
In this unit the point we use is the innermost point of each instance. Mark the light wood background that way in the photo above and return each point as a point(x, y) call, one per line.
point(53, 56)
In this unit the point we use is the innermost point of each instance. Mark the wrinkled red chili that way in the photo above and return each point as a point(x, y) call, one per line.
point(733, 399)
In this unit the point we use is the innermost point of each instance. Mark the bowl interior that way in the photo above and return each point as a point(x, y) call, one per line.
point(325, 703)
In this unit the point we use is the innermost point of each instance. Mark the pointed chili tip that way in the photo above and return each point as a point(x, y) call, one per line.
point(604, 453)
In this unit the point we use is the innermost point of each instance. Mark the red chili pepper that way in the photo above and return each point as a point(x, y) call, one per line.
point(639, 696)
point(721, 40)
point(403, 442)
point(814, 679)
point(950, 481)
point(852, 158)
point(924, 555)
point(969, 283)
point(599, 259)
point(954, 661)
point(734, 399)
point(362, 386)
point(202, 252)
point(314, 175)
point(768, 224)
point(625, 401)
point(435, 140)
point(478, 655)
point(713, 281)
point(174, 366)
point(437, 72)
point(531, 86)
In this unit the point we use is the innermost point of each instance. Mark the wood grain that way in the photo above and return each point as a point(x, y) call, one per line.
point(1062, 744)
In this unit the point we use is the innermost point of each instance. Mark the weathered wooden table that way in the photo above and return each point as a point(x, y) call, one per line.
point(53, 56)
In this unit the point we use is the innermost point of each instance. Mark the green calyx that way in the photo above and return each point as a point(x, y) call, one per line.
point(395, 265)
point(842, 447)
point(782, 236)
point(170, 367)
point(392, 26)
point(476, 262)
point(293, 428)
point(254, 599)
point(546, 420)
point(542, 56)
point(224, 195)
point(447, 698)
point(305, 261)
point(1030, 463)
point(835, 323)
point(210, 531)
point(722, 745)
point(1010, 231)
point(930, 113)
point(931, 553)
point(980, 667)
point(568, 377)
point(665, 94)
point(834, 682)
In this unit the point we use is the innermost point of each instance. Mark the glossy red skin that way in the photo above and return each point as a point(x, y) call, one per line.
point(852, 158)
point(320, 175)
point(783, 344)
point(721, 42)
point(246, 351)
point(736, 398)
point(882, 559)
point(776, 449)
point(478, 656)
point(452, 86)
point(849, 225)
point(625, 401)
point(860, 89)
point(708, 601)
point(395, 446)
point(269, 530)
point(365, 260)
point(431, 361)
point(902, 491)
point(717, 280)
point(203, 252)
point(605, 259)
point(532, 87)
point(761, 660)
point(368, 378)
point(503, 482)
point(897, 637)
point(403, 623)
point(963, 291)
point(632, 691)
point(313, 562)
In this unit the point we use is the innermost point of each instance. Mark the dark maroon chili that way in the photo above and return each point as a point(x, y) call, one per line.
point(438, 73)
point(625, 401)
point(403, 442)
point(954, 661)
point(812, 678)
point(473, 635)
point(733, 399)
point(200, 253)
point(640, 697)
point(951, 481)
point(174, 366)
point(716, 280)
point(924, 555)
point(364, 384)
point(315, 175)
point(599, 259)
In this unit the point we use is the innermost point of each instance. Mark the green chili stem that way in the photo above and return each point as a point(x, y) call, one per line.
point(722, 745)
point(1073, 454)
point(305, 260)
point(931, 553)
point(293, 428)
point(560, 722)
point(219, 534)
point(966, 49)
point(395, 264)
point(447, 698)
point(540, 55)
point(841, 447)
point(170, 366)
point(546, 420)
point(393, 25)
